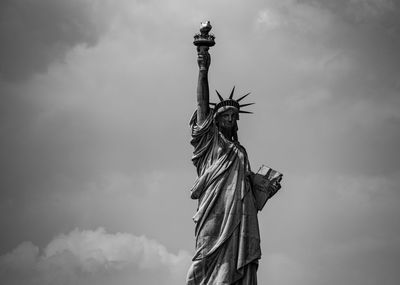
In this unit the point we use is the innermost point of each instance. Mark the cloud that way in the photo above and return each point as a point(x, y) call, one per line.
point(331, 229)
point(307, 100)
point(94, 257)
point(296, 17)
point(36, 33)
point(283, 269)
point(103, 110)
point(334, 83)
point(268, 19)
point(367, 10)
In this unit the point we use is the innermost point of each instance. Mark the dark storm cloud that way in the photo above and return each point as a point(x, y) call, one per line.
point(35, 33)
point(70, 126)
point(343, 82)
point(369, 32)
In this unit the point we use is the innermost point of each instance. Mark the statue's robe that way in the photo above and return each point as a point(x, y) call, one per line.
point(227, 233)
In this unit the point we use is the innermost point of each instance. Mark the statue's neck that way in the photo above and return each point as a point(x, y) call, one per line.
point(228, 133)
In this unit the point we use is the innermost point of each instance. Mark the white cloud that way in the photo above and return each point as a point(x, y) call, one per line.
point(268, 19)
point(82, 257)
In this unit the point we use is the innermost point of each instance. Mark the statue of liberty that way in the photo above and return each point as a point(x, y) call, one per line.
point(228, 192)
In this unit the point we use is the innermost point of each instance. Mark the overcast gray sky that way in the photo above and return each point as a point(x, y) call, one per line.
point(95, 156)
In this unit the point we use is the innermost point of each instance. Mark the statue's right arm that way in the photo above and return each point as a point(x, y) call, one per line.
point(203, 100)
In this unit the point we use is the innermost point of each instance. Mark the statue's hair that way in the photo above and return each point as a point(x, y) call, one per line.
point(235, 133)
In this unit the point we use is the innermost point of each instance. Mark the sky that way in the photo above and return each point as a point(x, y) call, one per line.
point(95, 157)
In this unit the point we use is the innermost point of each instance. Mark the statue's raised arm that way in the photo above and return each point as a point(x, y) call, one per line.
point(203, 60)
point(203, 41)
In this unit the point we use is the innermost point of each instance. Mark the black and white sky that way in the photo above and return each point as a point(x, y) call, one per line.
point(94, 140)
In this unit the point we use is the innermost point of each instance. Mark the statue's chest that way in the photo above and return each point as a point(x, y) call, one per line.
point(231, 151)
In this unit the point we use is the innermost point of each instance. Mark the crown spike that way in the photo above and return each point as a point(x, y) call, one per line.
point(233, 90)
point(219, 96)
point(246, 112)
point(244, 105)
point(241, 98)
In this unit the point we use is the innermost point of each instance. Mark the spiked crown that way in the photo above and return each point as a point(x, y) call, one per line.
point(230, 102)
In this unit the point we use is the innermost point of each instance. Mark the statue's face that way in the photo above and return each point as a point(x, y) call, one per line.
point(227, 119)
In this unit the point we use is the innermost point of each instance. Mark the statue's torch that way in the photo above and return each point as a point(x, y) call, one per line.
point(204, 40)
